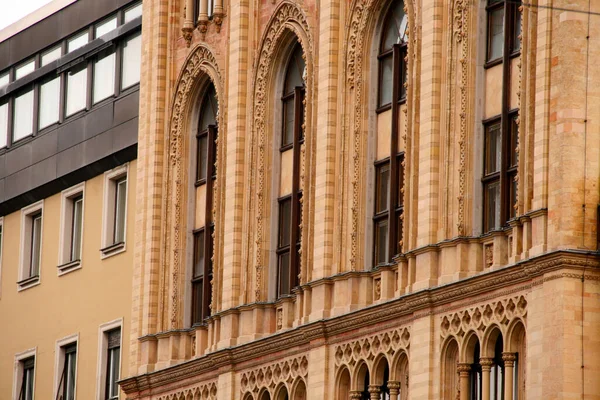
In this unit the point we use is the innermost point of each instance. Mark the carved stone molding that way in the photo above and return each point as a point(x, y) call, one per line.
point(363, 13)
point(271, 376)
point(388, 343)
point(201, 61)
point(479, 318)
point(287, 17)
point(205, 391)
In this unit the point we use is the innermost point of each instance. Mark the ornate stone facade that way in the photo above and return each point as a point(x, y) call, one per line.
point(459, 299)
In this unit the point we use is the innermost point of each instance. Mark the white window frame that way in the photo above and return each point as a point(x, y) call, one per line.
point(65, 265)
point(18, 371)
point(25, 245)
point(102, 360)
point(59, 360)
point(108, 248)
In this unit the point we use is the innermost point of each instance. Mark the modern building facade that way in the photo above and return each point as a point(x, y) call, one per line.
point(371, 199)
point(69, 100)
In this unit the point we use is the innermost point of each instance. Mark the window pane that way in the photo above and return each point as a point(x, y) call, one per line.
point(295, 71)
point(381, 241)
point(284, 273)
point(492, 206)
point(70, 365)
point(516, 45)
point(199, 254)
point(24, 69)
point(496, 34)
point(104, 76)
point(201, 157)
point(400, 181)
point(197, 297)
point(76, 230)
point(36, 237)
point(51, 55)
point(386, 78)
point(49, 102)
point(208, 114)
point(23, 116)
point(399, 232)
point(514, 142)
point(4, 80)
point(288, 122)
point(285, 216)
point(120, 207)
point(76, 89)
point(382, 194)
point(105, 27)
point(3, 124)
point(512, 195)
point(492, 149)
point(114, 372)
point(132, 52)
point(77, 42)
point(395, 28)
point(133, 12)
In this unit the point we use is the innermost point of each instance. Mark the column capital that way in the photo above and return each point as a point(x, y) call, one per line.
point(374, 391)
point(394, 387)
point(463, 368)
point(355, 394)
point(486, 363)
point(509, 359)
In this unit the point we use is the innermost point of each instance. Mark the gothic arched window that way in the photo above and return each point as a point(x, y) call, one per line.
point(290, 194)
point(389, 170)
point(206, 174)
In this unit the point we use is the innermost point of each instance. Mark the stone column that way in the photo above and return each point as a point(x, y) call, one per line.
point(394, 390)
point(486, 366)
point(355, 394)
point(463, 372)
point(509, 363)
point(374, 391)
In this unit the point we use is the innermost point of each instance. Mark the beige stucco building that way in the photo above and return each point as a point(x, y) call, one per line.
point(403, 202)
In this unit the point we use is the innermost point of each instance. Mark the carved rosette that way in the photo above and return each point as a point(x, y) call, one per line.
point(287, 17)
point(361, 19)
point(200, 61)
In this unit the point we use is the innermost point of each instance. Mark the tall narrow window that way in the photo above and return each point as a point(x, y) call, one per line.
point(120, 208)
point(66, 385)
point(77, 219)
point(389, 171)
point(28, 370)
point(500, 127)
point(36, 247)
point(31, 245)
point(290, 195)
point(114, 227)
point(131, 58)
point(113, 364)
point(104, 75)
point(206, 173)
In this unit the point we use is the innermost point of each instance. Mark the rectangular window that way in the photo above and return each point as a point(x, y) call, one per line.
point(27, 369)
point(24, 69)
point(284, 246)
point(4, 80)
point(36, 245)
point(104, 27)
point(51, 55)
point(49, 103)
point(120, 208)
point(31, 245)
point(198, 278)
point(113, 364)
point(201, 157)
point(133, 12)
point(382, 194)
point(66, 384)
point(23, 116)
point(288, 122)
point(76, 228)
point(76, 89)
point(104, 75)
point(495, 30)
point(3, 124)
point(77, 42)
point(386, 80)
point(132, 53)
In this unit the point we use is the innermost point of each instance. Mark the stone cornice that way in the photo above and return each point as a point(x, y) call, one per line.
point(535, 271)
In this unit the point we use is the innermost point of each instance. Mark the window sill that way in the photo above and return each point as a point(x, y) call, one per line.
point(28, 282)
point(493, 63)
point(69, 267)
point(112, 249)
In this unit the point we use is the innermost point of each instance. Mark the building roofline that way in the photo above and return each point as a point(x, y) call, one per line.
point(33, 18)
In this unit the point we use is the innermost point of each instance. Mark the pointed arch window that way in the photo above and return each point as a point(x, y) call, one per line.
point(206, 173)
point(389, 170)
point(290, 194)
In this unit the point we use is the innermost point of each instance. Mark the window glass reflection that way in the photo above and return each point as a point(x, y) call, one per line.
point(49, 102)
point(76, 90)
point(23, 116)
point(132, 52)
point(104, 76)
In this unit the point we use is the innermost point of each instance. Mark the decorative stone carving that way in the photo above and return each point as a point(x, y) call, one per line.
point(478, 318)
point(489, 254)
point(377, 291)
point(367, 348)
point(287, 17)
point(205, 391)
point(200, 61)
point(269, 376)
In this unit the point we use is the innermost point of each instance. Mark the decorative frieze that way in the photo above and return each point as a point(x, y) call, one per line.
point(272, 375)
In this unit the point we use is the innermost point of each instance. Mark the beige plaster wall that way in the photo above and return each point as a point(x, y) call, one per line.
point(75, 303)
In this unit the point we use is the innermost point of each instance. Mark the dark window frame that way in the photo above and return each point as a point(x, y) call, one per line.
point(109, 349)
point(74, 200)
point(27, 364)
point(117, 181)
point(293, 267)
point(508, 127)
point(200, 309)
point(32, 218)
point(395, 227)
point(69, 350)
